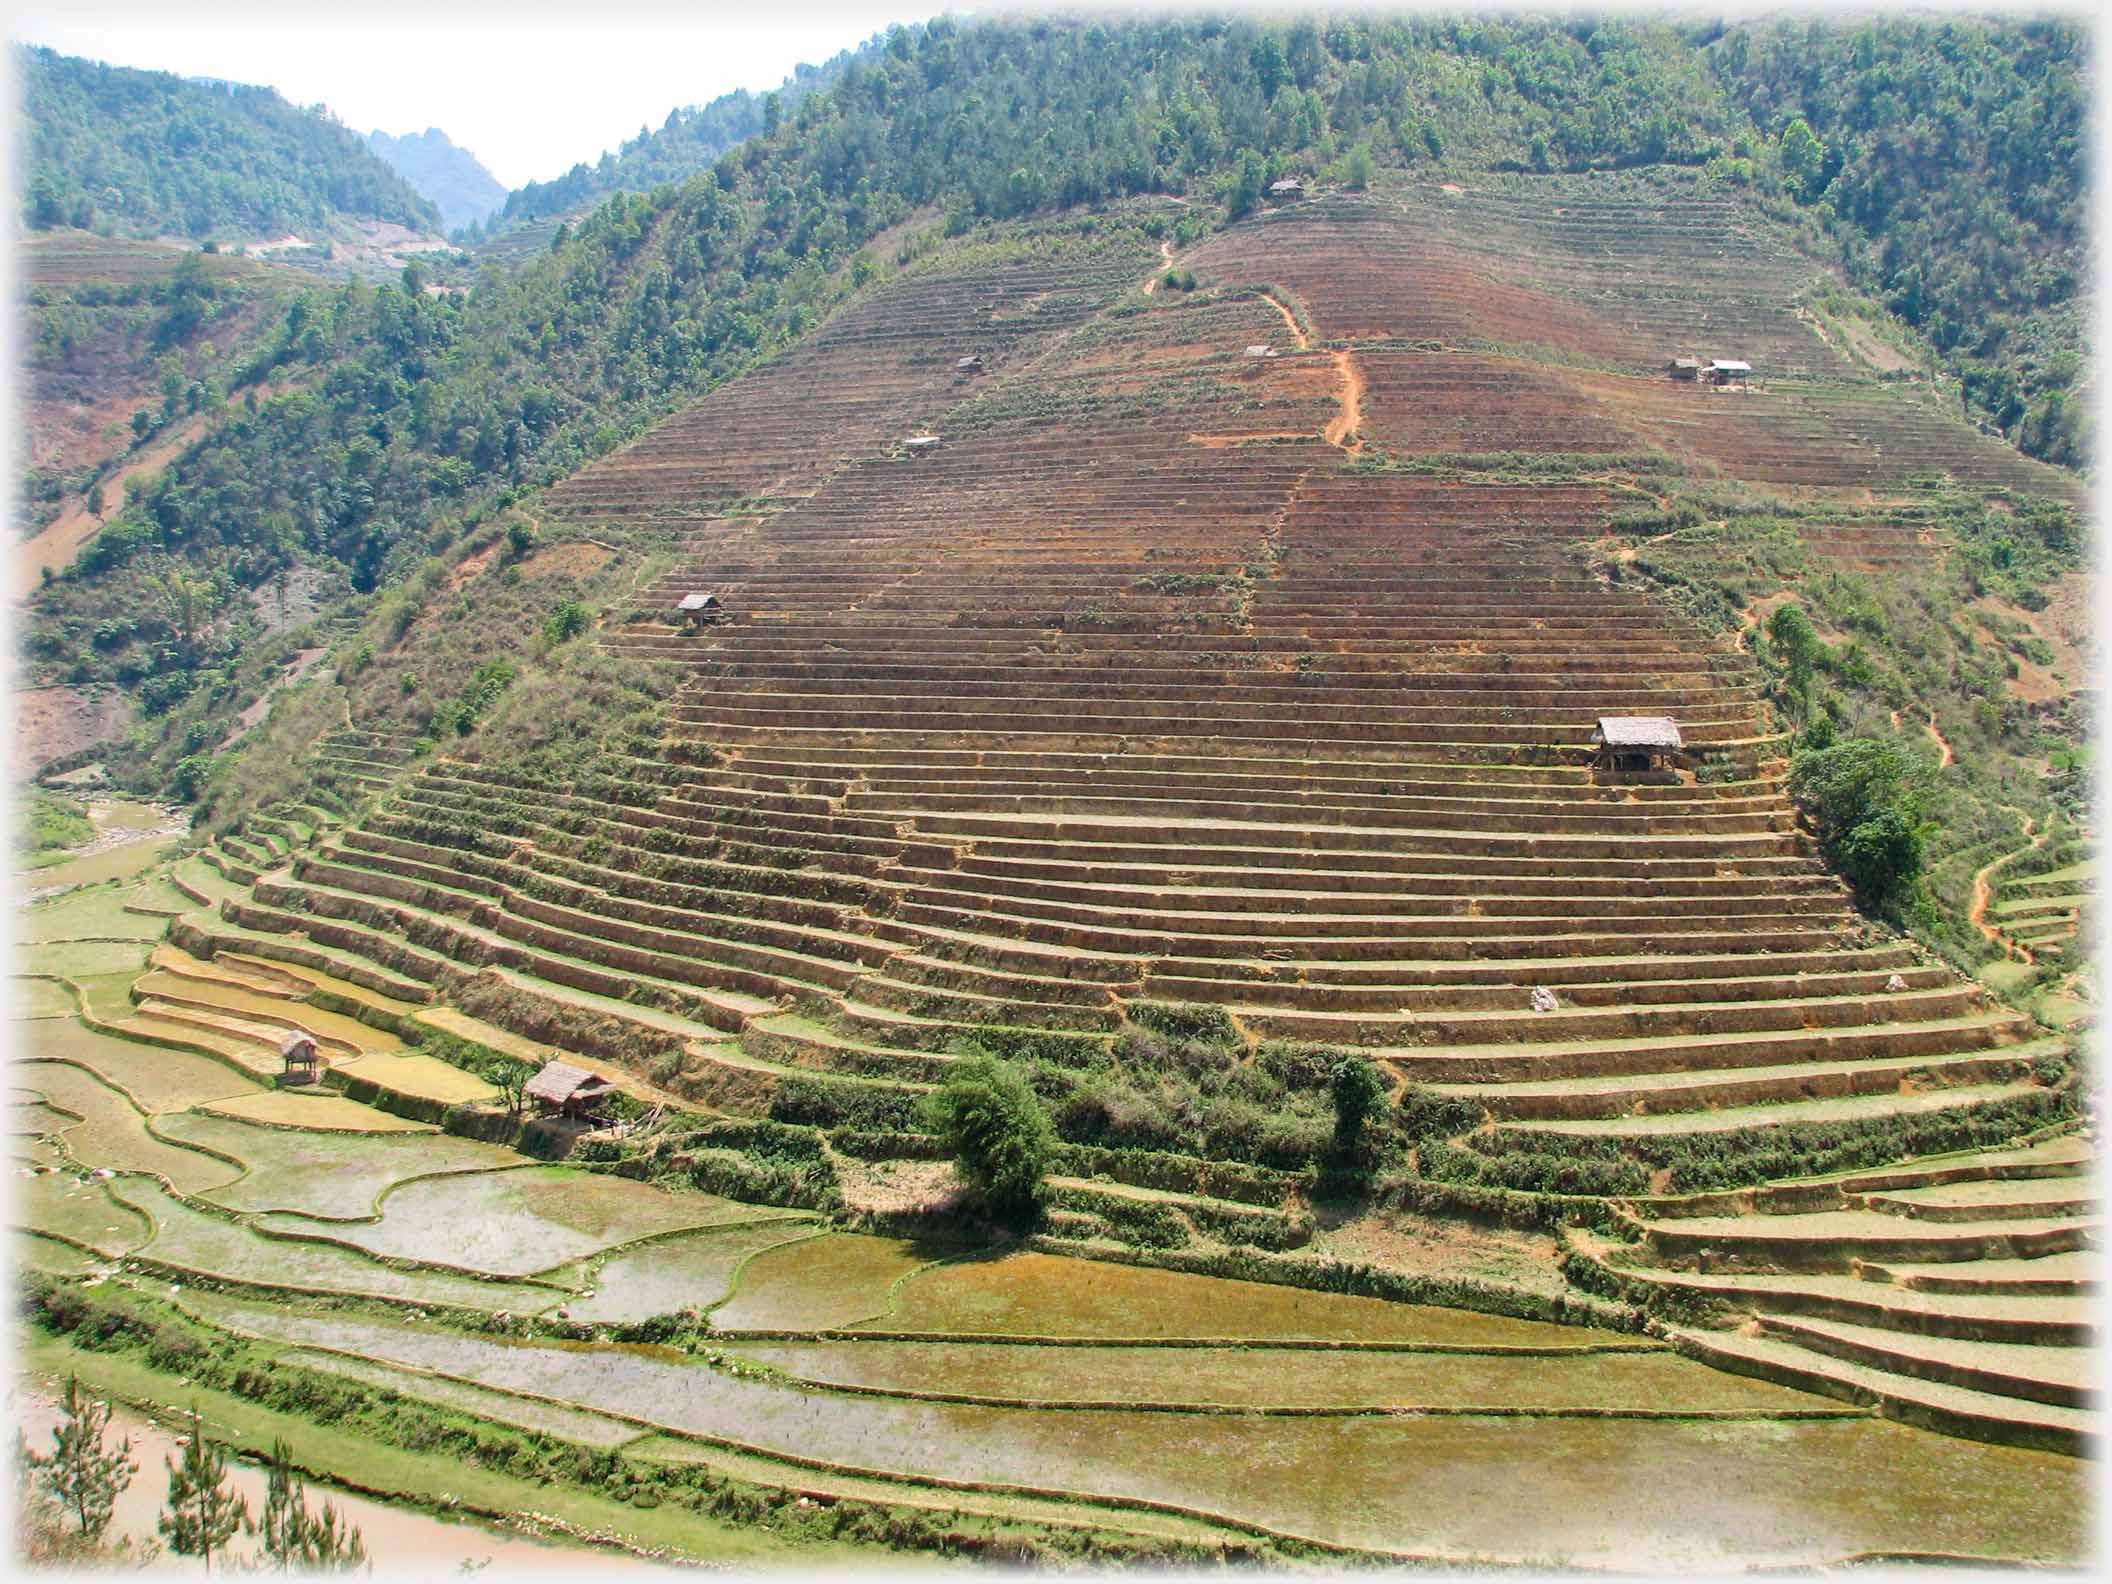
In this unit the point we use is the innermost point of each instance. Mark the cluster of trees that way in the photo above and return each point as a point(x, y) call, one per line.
point(144, 153)
point(72, 1493)
point(1946, 156)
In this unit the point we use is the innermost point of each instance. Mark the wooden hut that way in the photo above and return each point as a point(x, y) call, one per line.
point(303, 1060)
point(561, 1089)
point(701, 610)
point(968, 365)
point(1635, 742)
point(1684, 369)
point(1289, 190)
point(917, 445)
point(1727, 371)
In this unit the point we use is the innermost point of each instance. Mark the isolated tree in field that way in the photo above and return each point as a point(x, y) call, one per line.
point(1359, 1095)
point(1790, 631)
point(202, 1512)
point(998, 1133)
point(82, 1475)
point(296, 1538)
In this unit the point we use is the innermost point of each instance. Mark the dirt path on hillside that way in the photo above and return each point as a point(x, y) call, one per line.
point(1983, 893)
point(61, 539)
point(1290, 321)
point(1151, 281)
point(1343, 429)
point(1942, 746)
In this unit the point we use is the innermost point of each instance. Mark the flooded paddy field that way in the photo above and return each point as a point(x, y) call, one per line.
point(1662, 1495)
point(833, 1281)
point(157, 1079)
point(525, 1220)
point(328, 1175)
point(692, 1271)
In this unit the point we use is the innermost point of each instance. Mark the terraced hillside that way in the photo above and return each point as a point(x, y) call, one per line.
point(1182, 687)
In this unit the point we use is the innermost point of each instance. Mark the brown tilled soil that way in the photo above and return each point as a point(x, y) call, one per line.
point(54, 721)
point(579, 559)
point(61, 539)
point(1421, 1246)
point(896, 1185)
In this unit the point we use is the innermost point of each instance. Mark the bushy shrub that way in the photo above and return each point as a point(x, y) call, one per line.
point(999, 1134)
point(1864, 799)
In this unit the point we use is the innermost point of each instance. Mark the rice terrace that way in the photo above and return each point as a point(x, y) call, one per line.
point(1299, 792)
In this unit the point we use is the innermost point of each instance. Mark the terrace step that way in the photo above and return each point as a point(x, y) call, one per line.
point(1954, 1410)
point(2049, 1275)
point(2065, 1321)
point(1842, 1240)
point(2062, 1376)
point(1763, 1119)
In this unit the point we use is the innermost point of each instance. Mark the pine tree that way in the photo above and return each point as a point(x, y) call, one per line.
point(81, 1476)
point(295, 1538)
point(203, 1513)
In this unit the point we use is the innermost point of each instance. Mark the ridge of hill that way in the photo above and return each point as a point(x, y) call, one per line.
point(453, 178)
point(147, 154)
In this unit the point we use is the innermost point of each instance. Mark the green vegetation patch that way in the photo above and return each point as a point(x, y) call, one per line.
point(80, 1210)
point(1027, 1294)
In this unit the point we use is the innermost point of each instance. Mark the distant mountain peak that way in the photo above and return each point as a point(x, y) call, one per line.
point(443, 171)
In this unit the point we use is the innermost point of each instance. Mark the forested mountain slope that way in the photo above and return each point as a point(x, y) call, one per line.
point(148, 154)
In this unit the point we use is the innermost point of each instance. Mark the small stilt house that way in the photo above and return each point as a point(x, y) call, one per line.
point(1684, 369)
point(701, 610)
point(1635, 742)
point(561, 1089)
point(1727, 371)
point(303, 1061)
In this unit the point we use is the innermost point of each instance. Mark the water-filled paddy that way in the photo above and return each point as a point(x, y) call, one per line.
point(51, 1257)
point(87, 959)
point(515, 1223)
point(78, 1208)
point(1664, 1495)
point(113, 1133)
point(81, 915)
point(1261, 1377)
point(692, 1271)
point(832, 1281)
point(159, 1079)
point(214, 1246)
point(1048, 1295)
point(328, 1175)
point(573, 1424)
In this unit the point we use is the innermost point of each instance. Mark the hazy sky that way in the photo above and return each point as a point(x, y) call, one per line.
point(530, 88)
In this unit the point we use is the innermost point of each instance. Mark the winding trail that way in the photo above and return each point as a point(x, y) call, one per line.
point(1983, 892)
point(1346, 424)
point(1151, 281)
point(1290, 320)
point(1948, 758)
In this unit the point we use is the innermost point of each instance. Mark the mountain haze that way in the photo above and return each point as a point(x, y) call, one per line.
point(458, 185)
point(143, 154)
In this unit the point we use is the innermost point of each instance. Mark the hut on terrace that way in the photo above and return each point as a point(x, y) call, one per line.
point(1727, 371)
point(1635, 742)
point(1684, 368)
point(1290, 188)
point(917, 445)
point(303, 1061)
point(968, 365)
point(561, 1089)
point(701, 609)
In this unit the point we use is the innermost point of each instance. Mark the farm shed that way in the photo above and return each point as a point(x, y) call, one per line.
point(1635, 742)
point(561, 1089)
point(1728, 371)
point(701, 609)
point(917, 445)
point(1684, 368)
point(1289, 187)
point(1261, 351)
point(303, 1061)
point(968, 365)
